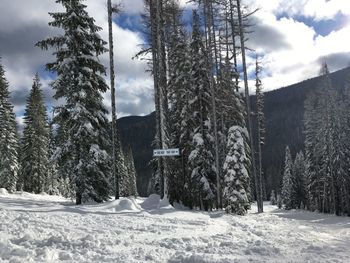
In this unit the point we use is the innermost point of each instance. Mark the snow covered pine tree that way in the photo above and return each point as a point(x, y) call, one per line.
point(236, 176)
point(8, 138)
point(201, 157)
point(84, 152)
point(288, 184)
point(35, 143)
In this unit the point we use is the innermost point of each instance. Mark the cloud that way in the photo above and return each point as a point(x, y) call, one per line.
point(26, 22)
point(336, 60)
point(291, 49)
point(267, 37)
point(316, 9)
point(131, 6)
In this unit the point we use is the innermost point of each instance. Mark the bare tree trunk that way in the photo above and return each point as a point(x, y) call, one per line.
point(208, 24)
point(233, 28)
point(155, 54)
point(260, 125)
point(114, 115)
point(163, 96)
point(240, 23)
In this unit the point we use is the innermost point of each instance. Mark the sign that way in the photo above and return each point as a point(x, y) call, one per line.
point(166, 152)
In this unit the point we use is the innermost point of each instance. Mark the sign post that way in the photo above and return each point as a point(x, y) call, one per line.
point(166, 152)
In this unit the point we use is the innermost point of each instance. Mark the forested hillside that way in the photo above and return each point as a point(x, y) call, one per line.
point(284, 110)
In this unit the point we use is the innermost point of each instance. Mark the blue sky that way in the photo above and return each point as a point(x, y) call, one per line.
point(292, 35)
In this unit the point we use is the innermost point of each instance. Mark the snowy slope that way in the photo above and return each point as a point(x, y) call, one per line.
point(42, 228)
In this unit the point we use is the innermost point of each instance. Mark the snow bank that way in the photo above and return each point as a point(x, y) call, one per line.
point(153, 202)
point(183, 258)
point(3, 191)
point(123, 204)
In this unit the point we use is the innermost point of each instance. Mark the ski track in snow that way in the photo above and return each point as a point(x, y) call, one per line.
point(42, 228)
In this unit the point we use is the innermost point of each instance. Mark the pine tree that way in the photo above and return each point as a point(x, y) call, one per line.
point(312, 123)
point(273, 200)
point(83, 155)
point(201, 158)
point(279, 201)
point(54, 184)
point(241, 28)
point(155, 21)
point(345, 140)
point(299, 182)
point(35, 142)
point(123, 182)
point(288, 186)
point(9, 165)
point(179, 95)
point(131, 171)
point(324, 143)
point(236, 177)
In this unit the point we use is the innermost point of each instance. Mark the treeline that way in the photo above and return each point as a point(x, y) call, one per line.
point(200, 107)
point(71, 154)
point(320, 181)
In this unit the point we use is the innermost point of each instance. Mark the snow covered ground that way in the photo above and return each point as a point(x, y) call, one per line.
point(42, 228)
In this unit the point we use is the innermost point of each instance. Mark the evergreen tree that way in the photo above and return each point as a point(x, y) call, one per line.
point(279, 201)
point(9, 165)
point(288, 186)
point(54, 184)
point(122, 171)
point(312, 123)
point(325, 126)
point(179, 97)
point(299, 174)
point(131, 171)
point(35, 142)
point(236, 177)
point(273, 200)
point(201, 157)
point(345, 178)
point(242, 31)
point(83, 154)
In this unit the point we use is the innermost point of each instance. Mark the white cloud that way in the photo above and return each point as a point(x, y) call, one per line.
point(300, 58)
point(26, 22)
point(292, 49)
point(317, 9)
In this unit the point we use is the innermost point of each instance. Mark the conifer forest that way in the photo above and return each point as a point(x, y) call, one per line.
point(232, 164)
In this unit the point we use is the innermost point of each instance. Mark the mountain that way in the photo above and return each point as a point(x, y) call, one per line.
point(138, 132)
point(284, 110)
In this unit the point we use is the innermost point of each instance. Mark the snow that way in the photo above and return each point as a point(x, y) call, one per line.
point(3, 191)
point(44, 228)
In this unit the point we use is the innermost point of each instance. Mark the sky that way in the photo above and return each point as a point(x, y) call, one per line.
point(293, 37)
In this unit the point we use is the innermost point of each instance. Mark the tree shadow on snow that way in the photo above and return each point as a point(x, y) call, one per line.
point(313, 217)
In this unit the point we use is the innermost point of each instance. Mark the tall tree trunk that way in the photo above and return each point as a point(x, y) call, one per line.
point(162, 80)
point(114, 115)
point(241, 33)
point(209, 42)
point(154, 37)
point(234, 47)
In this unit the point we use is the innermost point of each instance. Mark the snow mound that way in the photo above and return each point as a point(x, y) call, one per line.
point(124, 204)
point(3, 191)
point(183, 258)
point(153, 202)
